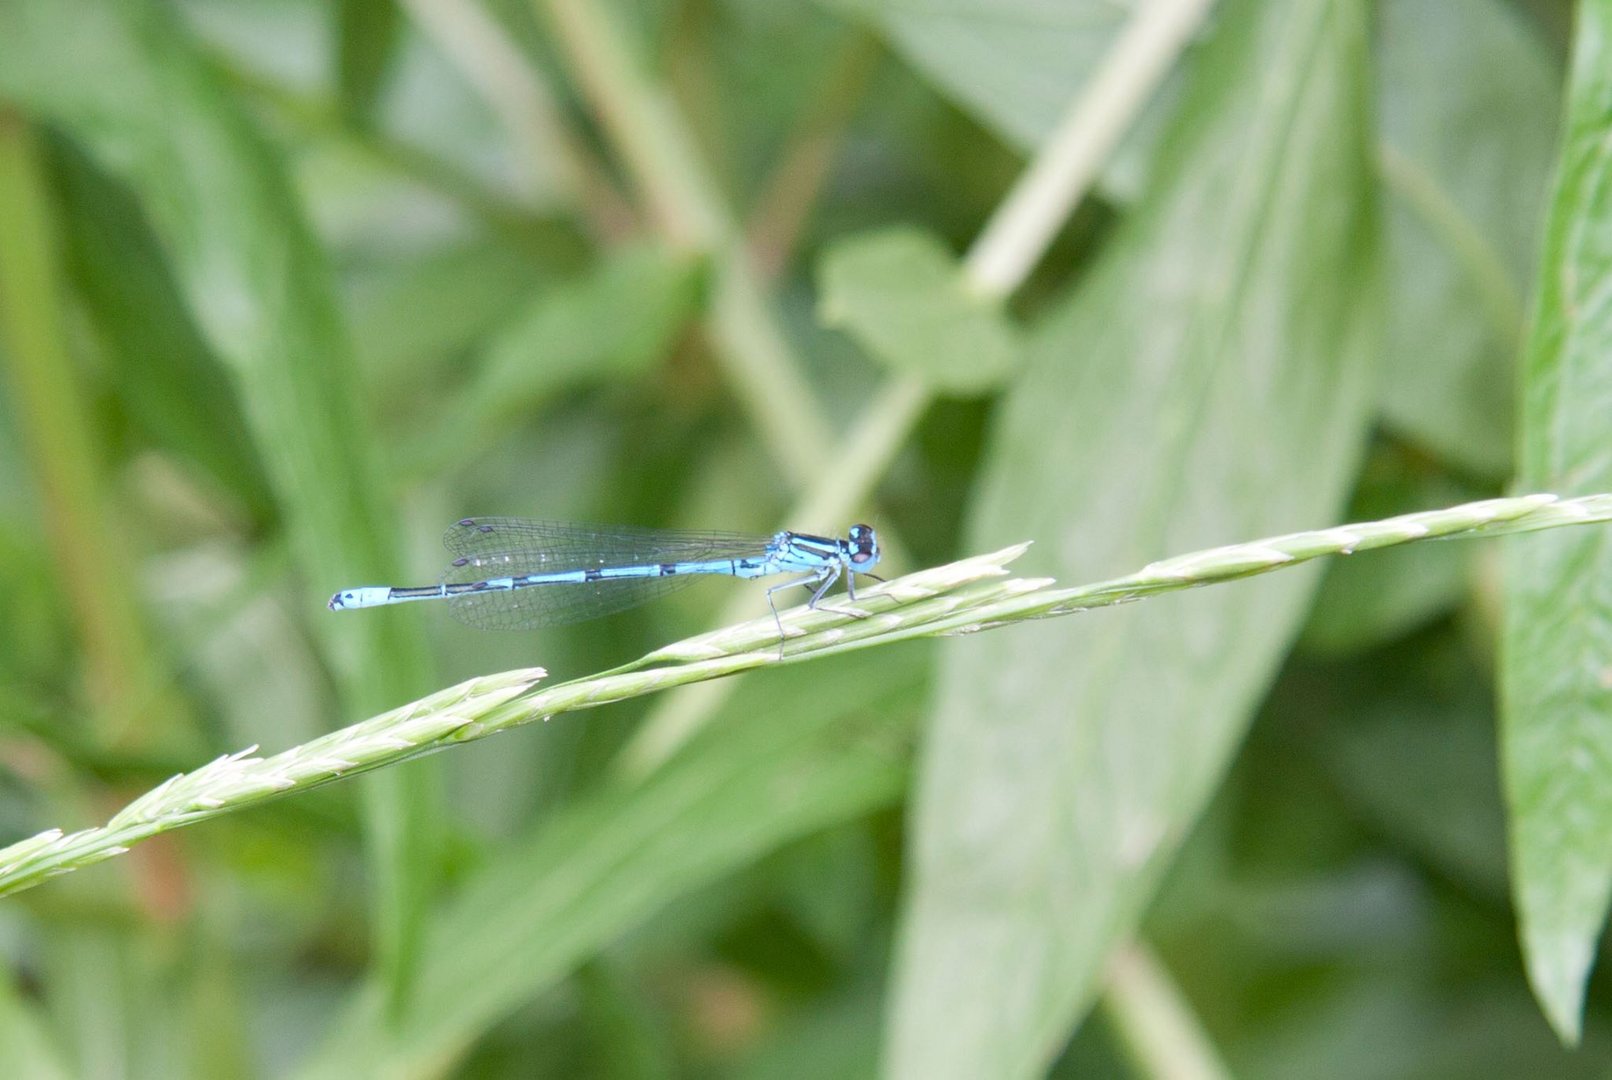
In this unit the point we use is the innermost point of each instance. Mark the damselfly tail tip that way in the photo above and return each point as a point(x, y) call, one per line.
point(357, 598)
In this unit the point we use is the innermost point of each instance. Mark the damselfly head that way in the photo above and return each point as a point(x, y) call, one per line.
point(864, 548)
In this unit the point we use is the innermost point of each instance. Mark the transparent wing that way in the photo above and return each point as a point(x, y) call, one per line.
point(516, 547)
point(545, 605)
point(592, 545)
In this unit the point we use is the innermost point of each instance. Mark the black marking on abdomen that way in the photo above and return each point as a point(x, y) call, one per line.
point(409, 592)
point(668, 569)
point(592, 575)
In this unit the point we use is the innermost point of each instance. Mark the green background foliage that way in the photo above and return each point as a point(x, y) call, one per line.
point(288, 285)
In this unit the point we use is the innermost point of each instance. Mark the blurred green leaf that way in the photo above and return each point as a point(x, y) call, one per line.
point(216, 1014)
point(1211, 378)
point(35, 642)
point(1557, 720)
point(792, 754)
point(164, 373)
point(25, 1048)
point(113, 1001)
point(123, 675)
point(1425, 774)
point(1345, 900)
point(1465, 157)
point(411, 316)
point(367, 33)
point(1014, 64)
point(626, 1035)
point(904, 299)
point(609, 327)
point(613, 324)
point(1407, 736)
point(130, 85)
point(838, 921)
point(838, 1039)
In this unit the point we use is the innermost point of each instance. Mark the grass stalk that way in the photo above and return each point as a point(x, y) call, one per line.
point(1049, 190)
point(962, 597)
point(1154, 1021)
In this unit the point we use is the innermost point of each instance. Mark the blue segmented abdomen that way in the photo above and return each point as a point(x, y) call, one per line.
point(517, 573)
point(597, 572)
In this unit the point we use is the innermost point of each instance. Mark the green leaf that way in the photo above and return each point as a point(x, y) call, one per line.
point(1210, 378)
point(124, 676)
point(1412, 754)
point(904, 299)
point(366, 41)
point(1013, 64)
point(1557, 720)
point(129, 84)
point(839, 1038)
point(626, 1036)
point(25, 1048)
point(803, 750)
point(164, 373)
point(1465, 158)
point(410, 317)
point(612, 325)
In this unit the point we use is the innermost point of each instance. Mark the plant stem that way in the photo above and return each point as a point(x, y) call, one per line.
point(781, 210)
point(1025, 222)
point(1154, 1022)
point(1048, 191)
point(659, 151)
